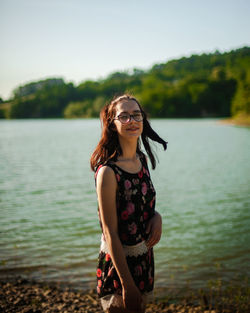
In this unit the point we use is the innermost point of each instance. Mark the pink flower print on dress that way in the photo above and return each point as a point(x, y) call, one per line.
point(110, 272)
point(132, 228)
point(138, 270)
point(98, 272)
point(127, 184)
point(141, 285)
point(107, 257)
point(116, 285)
point(118, 177)
point(124, 215)
point(147, 173)
point(150, 278)
point(144, 188)
point(144, 170)
point(145, 215)
point(140, 174)
point(130, 208)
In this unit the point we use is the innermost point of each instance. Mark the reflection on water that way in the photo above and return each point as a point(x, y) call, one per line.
point(48, 219)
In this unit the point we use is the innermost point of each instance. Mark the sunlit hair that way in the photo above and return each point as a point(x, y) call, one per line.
point(109, 148)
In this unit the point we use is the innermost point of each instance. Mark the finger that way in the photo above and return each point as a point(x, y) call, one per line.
point(154, 236)
point(151, 245)
point(153, 241)
point(148, 244)
point(150, 240)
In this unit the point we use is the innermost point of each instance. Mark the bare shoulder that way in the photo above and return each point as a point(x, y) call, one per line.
point(106, 177)
point(106, 187)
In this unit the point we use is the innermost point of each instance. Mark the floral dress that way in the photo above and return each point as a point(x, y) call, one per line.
point(135, 202)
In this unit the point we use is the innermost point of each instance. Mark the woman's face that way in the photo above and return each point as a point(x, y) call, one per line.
point(132, 129)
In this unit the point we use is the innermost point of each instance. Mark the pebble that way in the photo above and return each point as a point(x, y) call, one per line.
point(23, 296)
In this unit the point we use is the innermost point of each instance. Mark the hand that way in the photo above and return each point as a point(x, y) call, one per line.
point(132, 299)
point(154, 229)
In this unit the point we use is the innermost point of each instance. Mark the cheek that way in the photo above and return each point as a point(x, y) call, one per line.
point(118, 127)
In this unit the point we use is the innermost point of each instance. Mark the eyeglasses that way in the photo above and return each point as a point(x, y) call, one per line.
point(125, 118)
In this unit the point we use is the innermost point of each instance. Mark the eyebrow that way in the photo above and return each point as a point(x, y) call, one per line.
point(135, 111)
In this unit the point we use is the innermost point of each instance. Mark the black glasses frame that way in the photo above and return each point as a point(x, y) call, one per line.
point(130, 116)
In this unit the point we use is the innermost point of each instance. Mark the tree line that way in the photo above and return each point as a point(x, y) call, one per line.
point(206, 85)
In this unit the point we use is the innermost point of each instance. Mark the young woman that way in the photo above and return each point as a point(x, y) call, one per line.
point(126, 206)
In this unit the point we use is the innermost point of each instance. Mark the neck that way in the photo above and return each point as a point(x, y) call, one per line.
point(128, 149)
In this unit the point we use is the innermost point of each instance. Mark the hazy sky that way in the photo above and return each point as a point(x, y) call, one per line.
point(78, 39)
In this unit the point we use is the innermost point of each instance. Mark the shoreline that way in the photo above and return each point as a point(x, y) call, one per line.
point(26, 296)
point(240, 120)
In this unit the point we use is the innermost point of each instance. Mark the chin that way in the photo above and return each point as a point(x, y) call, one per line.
point(137, 135)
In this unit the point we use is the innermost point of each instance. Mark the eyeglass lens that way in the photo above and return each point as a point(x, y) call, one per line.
point(125, 118)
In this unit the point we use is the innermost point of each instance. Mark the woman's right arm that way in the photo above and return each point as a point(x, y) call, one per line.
point(106, 192)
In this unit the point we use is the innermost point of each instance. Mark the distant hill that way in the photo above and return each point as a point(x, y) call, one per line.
point(33, 87)
point(207, 85)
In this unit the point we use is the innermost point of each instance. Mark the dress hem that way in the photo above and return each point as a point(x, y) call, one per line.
point(116, 300)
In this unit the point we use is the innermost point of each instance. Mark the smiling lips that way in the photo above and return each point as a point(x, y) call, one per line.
point(133, 128)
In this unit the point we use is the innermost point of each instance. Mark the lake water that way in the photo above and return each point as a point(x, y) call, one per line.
point(49, 227)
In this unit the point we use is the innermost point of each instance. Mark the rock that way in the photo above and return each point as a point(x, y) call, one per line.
point(32, 297)
point(27, 310)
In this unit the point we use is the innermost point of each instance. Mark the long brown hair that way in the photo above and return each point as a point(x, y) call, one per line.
point(109, 148)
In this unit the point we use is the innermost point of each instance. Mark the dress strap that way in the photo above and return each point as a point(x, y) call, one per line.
point(97, 170)
point(106, 164)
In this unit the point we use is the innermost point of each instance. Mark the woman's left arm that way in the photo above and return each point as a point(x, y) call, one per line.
point(154, 229)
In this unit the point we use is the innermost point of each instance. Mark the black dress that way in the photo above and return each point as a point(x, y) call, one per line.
point(135, 201)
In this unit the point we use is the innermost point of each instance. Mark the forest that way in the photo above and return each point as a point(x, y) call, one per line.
point(206, 85)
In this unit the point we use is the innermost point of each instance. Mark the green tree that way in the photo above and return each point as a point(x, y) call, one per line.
point(215, 84)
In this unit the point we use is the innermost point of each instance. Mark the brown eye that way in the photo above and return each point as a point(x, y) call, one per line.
point(138, 116)
point(124, 118)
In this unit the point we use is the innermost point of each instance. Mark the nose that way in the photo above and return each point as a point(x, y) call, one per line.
point(132, 119)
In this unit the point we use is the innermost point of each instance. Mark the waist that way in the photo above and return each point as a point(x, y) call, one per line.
point(134, 250)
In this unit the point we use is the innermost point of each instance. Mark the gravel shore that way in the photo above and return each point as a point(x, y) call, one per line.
point(28, 297)
point(23, 296)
